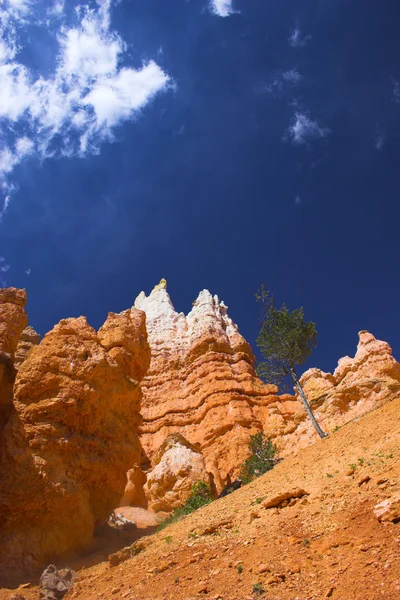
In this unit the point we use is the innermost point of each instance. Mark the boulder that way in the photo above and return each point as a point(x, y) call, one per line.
point(388, 510)
point(178, 465)
point(118, 521)
point(54, 583)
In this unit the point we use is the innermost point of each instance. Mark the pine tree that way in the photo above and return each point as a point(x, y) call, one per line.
point(285, 340)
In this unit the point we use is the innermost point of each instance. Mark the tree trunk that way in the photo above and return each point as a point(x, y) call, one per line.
point(307, 407)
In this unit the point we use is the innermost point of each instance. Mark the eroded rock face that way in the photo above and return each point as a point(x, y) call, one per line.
point(28, 339)
point(201, 382)
point(358, 385)
point(178, 465)
point(71, 437)
point(13, 319)
point(134, 493)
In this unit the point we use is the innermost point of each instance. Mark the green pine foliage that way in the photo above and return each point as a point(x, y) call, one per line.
point(261, 460)
point(285, 339)
point(199, 496)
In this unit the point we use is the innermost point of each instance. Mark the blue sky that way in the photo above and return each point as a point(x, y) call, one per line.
point(220, 144)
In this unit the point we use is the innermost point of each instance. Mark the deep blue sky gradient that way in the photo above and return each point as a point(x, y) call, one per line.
point(201, 187)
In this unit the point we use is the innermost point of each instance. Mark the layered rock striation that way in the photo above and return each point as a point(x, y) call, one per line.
point(201, 382)
point(358, 385)
point(71, 437)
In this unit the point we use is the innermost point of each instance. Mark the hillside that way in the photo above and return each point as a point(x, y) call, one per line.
point(327, 544)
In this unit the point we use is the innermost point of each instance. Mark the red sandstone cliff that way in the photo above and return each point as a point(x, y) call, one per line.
point(71, 437)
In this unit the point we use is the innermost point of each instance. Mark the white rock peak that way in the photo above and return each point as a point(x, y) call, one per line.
point(168, 329)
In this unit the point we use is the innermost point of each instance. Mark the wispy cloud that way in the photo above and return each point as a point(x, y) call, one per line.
point(89, 93)
point(396, 90)
point(288, 79)
point(303, 129)
point(222, 8)
point(296, 38)
point(292, 76)
point(379, 139)
point(3, 269)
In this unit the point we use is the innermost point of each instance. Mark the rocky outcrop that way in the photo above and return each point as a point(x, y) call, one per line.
point(71, 438)
point(13, 319)
point(134, 493)
point(201, 382)
point(358, 385)
point(29, 338)
point(178, 465)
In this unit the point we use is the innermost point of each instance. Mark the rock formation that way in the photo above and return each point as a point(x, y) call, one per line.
point(134, 493)
point(201, 382)
point(71, 437)
point(13, 319)
point(177, 466)
point(28, 339)
point(358, 385)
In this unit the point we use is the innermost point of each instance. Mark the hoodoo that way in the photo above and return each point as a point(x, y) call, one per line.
point(357, 386)
point(201, 382)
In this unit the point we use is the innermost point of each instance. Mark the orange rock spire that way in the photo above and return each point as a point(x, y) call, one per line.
point(201, 382)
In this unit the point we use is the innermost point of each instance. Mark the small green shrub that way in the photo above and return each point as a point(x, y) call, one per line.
point(240, 569)
point(258, 589)
point(306, 542)
point(199, 496)
point(136, 549)
point(261, 460)
point(168, 539)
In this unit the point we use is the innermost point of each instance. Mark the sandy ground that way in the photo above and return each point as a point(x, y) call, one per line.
point(327, 544)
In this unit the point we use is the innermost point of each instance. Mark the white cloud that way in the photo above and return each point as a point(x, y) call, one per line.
point(296, 39)
point(303, 129)
point(28, 271)
point(57, 9)
point(9, 158)
point(6, 204)
point(88, 94)
point(222, 8)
